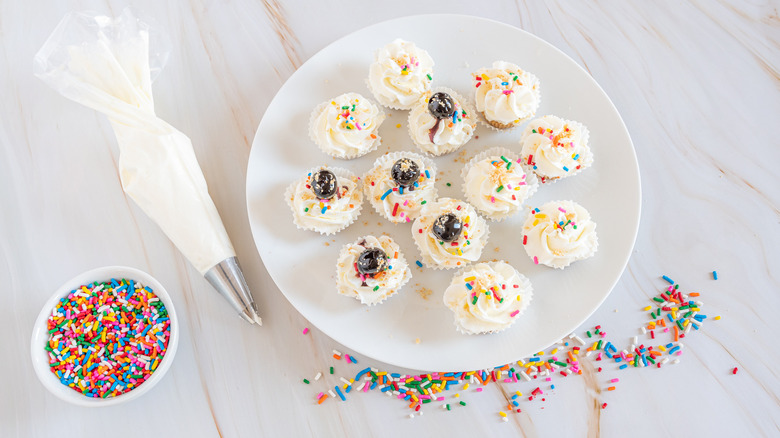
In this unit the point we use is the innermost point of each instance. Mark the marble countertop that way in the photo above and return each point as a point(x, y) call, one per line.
point(698, 85)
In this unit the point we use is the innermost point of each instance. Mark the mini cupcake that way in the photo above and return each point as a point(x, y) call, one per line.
point(371, 269)
point(559, 233)
point(326, 200)
point(400, 74)
point(449, 233)
point(399, 185)
point(487, 297)
point(556, 148)
point(441, 122)
point(506, 95)
point(496, 184)
point(346, 126)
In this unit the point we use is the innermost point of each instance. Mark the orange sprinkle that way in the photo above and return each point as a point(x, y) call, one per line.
point(571, 356)
point(322, 399)
point(693, 294)
point(337, 357)
point(373, 136)
point(611, 388)
point(676, 334)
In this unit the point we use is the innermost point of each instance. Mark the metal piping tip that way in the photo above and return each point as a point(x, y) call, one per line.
point(228, 279)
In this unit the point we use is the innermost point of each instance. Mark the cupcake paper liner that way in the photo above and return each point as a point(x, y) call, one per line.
point(407, 276)
point(464, 103)
point(345, 156)
point(340, 173)
point(530, 179)
point(392, 157)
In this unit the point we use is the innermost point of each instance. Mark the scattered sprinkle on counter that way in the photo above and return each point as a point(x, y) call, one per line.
point(107, 338)
point(673, 314)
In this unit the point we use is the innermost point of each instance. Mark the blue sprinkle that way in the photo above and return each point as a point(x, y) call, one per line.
point(552, 386)
point(514, 396)
point(419, 264)
point(714, 275)
point(624, 366)
point(455, 117)
point(349, 388)
point(324, 209)
point(576, 157)
point(674, 350)
point(427, 175)
point(387, 388)
point(565, 168)
point(668, 279)
point(669, 317)
point(695, 326)
point(338, 391)
point(408, 396)
point(373, 385)
point(416, 184)
point(516, 403)
point(395, 375)
point(400, 190)
point(644, 360)
point(386, 194)
point(505, 83)
point(468, 286)
point(618, 359)
point(533, 359)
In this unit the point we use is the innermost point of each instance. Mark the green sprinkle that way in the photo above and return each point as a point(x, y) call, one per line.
point(534, 131)
point(448, 406)
point(658, 300)
point(462, 403)
point(429, 77)
point(331, 370)
point(561, 364)
point(305, 381)
point(504, 158)
point(508, 165)
point(423, 203)
point(376, 288)
point(588, 333)
point(306, 209)
point(598, 347)
point(650, 358)
point(474, 301)
point(449, 185)
point(344, 107)
point(468, 242)
point(501, 187)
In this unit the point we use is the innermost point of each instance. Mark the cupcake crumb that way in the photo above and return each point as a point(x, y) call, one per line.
point(326, 243)
point(497, 249)
point(424, 292)
point(417, 341)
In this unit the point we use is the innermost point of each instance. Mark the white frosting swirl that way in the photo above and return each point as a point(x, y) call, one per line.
point(495, 296)
point(559, 233)
point(394, 203)
point(467, 248)
point(558, 148)
point(400, 74)
point(450, 133)
point(506, 94)
point(346, 126)
point(374, 289)
point(497, 192)
point(339, 211)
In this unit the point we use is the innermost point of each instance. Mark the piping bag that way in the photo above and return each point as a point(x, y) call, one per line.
point(106, 64)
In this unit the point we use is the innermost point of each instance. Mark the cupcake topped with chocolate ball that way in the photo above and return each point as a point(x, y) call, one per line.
point(449, 234)
point(400, 184)
point(326, 200)
point(441, 122)
point(371, 269)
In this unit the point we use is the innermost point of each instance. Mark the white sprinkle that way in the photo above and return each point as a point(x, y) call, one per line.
point(579, 340)
point(332, 394)
point(336, 352)
point(586, 354)
point(505, 419)
point(687, 328)
point(344, 380)
point(420, 413)
point(666, 359)
point(634, 341)
point(525, 377)
point(359, 388)
point(642, 329)
point(317, 377)
point(675, 362)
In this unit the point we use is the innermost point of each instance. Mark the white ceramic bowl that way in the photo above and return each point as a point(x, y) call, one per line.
point(40, 336)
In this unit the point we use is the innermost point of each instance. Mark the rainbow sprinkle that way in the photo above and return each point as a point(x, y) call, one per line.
point(563, 359)
point(107, 338)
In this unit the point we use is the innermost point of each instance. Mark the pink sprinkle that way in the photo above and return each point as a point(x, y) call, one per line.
point(442, 398)
point(493, 199)
point(561, 210)
point(507, 380)
point(357, 125)
point(305, 330)
point(320, 395)
point(615, 380)
point(548, 379)
point(406, 203)
point(536, 260)
point(514, 313)
point(478, 390)
point(365, 387)
point(507, 92)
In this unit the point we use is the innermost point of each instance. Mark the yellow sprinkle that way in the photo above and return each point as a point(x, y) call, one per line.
point(541, 353)
point(674, 314)
point(405, 72)
point(554, 350)
point(521, 363)
point(498, 375)
point(466, 386)
point(333, 102)
point(502, 413)
point(398, 125)
point(472, 278)
point(414, 397)
point(716, 318)
point(662, 348)
point(519, 394)
point(685, 323)
point(383, 373)
point(647, 308)
point(540, 216)
point(457, 395)
point(536, 222)
point(518, 298)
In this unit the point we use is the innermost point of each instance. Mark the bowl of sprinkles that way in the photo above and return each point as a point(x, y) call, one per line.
point(105, 337)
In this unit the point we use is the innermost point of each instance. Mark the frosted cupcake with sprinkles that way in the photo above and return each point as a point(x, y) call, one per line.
point(505, 94)
point(556, 148)
point(449, 234)
point(400, 74)
point(559, 233)
point(400, 184)
point(326, 200)
point(495, 182)
point(441, 122)
point(371, 269)
point(346, 126)
point(487, 297)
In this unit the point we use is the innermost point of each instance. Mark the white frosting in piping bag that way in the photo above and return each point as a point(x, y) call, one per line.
point(109, 72)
